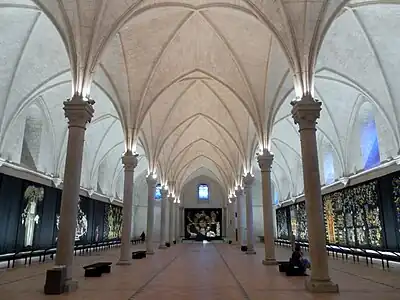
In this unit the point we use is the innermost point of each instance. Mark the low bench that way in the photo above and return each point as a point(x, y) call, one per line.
point(139, 254)
point(97, 269)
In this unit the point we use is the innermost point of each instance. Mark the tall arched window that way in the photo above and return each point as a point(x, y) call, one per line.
point(202, 191)
point(32, 138)
point(276, 197)
point(157, 194)
point(369, 140)
point(329, 168)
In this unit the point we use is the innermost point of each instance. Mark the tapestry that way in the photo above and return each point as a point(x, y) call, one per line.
point(396, 200)
point(114, 222)
point(203, 223)
point(352, 216)
point(334, 218)
point(300, 221)
point(81, 228)
point(30, 217)
point(282, 223)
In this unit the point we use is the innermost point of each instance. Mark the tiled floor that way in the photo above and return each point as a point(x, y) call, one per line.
point(201, 271)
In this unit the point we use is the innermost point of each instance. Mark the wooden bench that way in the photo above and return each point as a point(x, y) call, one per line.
point(139, 254)
point(97, 269)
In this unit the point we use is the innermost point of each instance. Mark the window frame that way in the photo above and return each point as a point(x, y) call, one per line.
point(203, 200)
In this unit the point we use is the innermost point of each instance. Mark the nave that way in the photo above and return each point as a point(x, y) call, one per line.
point(202, 271)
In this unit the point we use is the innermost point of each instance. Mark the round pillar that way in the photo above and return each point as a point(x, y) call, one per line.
point(239, 212)
point(151, 185)
point(79, 113)
point(171, 203)
point(305, 113)
point(265, 162)
point(130, 161)
point(248, 181)
point(163, 221)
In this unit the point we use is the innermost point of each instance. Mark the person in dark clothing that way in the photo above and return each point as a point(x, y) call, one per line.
point(298, 260)
point(143, 236)
point(296, 256)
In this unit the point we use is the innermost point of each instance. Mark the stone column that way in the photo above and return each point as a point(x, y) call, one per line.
point(239, 211)
point(130, 162)
point(231, 220)
point(79, 113)
point(163, 225)
point(225, 221)
point(265, 163)
point(177, 222)
point(171, 200)
point(248, 184)
point(151, 185)
point(305, 113)
point(182, 221)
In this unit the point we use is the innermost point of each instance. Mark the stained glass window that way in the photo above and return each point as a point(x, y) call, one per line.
point(203, 192)
point(276, 197)
point(157, 194)
point(369, 142)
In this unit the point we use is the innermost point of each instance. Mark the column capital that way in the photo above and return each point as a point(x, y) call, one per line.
point(164, 193)
point(151, 181)
point(306, 111)
point(130, 160)
point(171, 198)
point(78, 111)
point(248, 180)
point(233, 199)
point(238, 191)
point(265, 161)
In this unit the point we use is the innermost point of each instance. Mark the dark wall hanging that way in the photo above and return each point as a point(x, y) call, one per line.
point(201, 224)
point(30, 215)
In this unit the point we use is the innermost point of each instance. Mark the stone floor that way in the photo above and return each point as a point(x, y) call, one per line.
point(201, 271)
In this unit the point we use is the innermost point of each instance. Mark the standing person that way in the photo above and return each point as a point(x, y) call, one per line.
point(143, 236)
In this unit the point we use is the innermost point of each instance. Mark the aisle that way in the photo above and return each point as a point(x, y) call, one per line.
point(198, 273)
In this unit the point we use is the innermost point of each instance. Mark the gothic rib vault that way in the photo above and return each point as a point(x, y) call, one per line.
point(200, 85)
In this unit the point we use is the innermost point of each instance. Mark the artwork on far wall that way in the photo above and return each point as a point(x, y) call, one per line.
point(334, 218)
point(30, 217)
point(301, 221)
point(282, 223)
point(396, 200)
point(81, 223)
point(352, 216)
point(203, 223)
point(362, 215)
point(114, 222)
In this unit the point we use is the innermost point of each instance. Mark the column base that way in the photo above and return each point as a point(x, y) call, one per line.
point(251, 251)
point(162, 247)
point(323, 286)
point(269, 262)
point(70, 286)
point(149, 252)
point(124, 263)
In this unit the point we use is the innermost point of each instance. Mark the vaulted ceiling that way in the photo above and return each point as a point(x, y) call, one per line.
point(198, 86)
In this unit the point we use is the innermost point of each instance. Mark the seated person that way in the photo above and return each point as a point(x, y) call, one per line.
point(298, 260)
